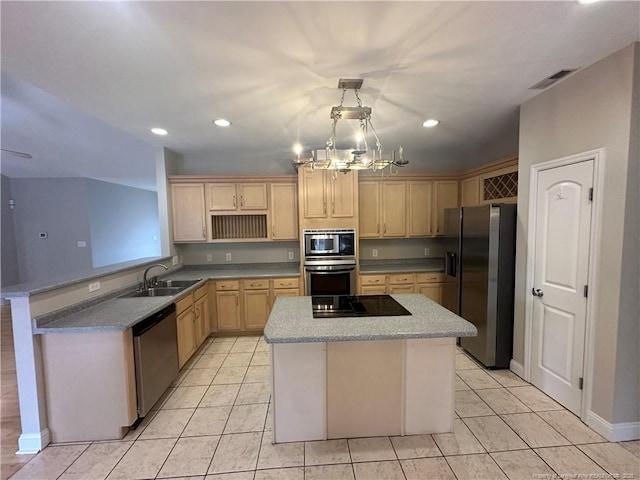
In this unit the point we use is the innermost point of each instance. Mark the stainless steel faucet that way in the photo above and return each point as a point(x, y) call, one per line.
point(144, 276)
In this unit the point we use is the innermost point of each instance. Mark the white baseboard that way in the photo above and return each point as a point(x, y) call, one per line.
point(517, 368)
point(30, 443)
point(614, 432)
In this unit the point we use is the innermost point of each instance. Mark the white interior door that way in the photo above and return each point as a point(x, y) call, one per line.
point(561, 267)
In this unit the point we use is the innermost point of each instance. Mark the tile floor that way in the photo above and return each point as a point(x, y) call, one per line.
point(214, 423)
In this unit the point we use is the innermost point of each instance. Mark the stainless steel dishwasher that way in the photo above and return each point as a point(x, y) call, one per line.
point(155, 348)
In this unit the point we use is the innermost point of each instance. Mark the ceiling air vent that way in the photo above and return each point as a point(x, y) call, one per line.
point(552, 79)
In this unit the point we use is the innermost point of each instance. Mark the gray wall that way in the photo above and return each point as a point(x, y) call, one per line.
point(124, 223)
point(10, 274)
point(589, 110)
point(249, 252)
point(401, 248)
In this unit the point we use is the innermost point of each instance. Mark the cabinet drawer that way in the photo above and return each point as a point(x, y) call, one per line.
point(256, 284)
point(372, 280)
point(184, 303)
point(428, 277)
point(401, 279)
point(286, 283)
point(200, 292)
point(227, 285)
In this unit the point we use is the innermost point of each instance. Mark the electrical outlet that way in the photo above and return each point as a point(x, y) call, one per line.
point(81, 244)
point(94, 286)
point(291, 257)
point(174, 260)
point(209, 257)
point(227, 257)
point(427, 252)
point(375, 252)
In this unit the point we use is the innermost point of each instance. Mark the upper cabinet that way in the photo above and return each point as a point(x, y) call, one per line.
point(493, 183)
point(470, 191)
point(188, 212)
point(369, 209)
point(237, 197)
point(382, 209)
point(420, 215)
point(284, 211)
point(328, 198)
point(445, 195)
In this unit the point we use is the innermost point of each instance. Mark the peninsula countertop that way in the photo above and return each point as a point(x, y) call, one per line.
point(291, 321)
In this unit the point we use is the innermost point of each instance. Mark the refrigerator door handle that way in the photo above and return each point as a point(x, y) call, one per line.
point(451, 264)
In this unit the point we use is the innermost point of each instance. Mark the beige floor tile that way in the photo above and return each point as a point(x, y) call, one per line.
point(229, 375)
point(460, 442)
point(135, 434)
point(614, 459)
point(415, 446)
point(268, 425)
point(97, 461)
point(534, 430)
point(254, 393)
point(199, 376)
point(475, 467)
point(143, 460)
point(534, 398)
point(191, 362)
point(198, 477)
point(570, 427)
point(371, 449)
point(329, 472)
point(522, 465)
point(258, 373)
point(178, 380)
point(220, 395)
point(50, 463)
point(469, 404)
point(464, 363)
point(247, 418)
point(294, 473)
point(207, 421)
point(236, 453)
point(326, 452)
point(427, 469)
point(478, 379)
point(185, 397)
point(502, 401)
point(167, 424)
point(378, 470)
point(213, 360)
point(190, 456)
point(261, 358)
point(569, 461)
point(219, 348)
point(494, 434)
point(243, 347)
point(232, 476)
point(165, 396)
point(237, 360)
point(460, 385)
point(231, 340)
point(263, 347)
point(632, 446)
point(507, 378)
point(280, 455)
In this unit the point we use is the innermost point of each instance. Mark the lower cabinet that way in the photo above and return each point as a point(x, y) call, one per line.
point(228, 305)
point(192, 323)
point(256, 302)
point(430, 285)
point(427, 284)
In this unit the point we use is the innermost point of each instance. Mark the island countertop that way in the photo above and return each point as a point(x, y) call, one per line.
point(291, 321)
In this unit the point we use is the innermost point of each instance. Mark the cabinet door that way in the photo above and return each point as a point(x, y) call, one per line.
point(221, 196)
point(201, 310)
point(369, 209)
point(253, 196)
point(187, 208)
point(420, 195)
point(372, 290)
point(400, 288)
point(470, 192)
point(285, 292)
point(186, 336)
point(394, 209)
point(228, 310)
point(284, 211)
point(432, 291)
point(314, 190)
point(445, 195)
point(256, 309)
point(343, 193)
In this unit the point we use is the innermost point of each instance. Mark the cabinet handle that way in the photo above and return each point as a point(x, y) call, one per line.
point(242, 200)
point(333, 208)
point(377, 227)
point(204, 232)
point(324, 207)
point(234, 200)
point(273, 230)
point(385, 227)
point(376, 280)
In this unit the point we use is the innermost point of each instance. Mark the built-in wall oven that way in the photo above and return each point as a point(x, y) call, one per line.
point(330, 261)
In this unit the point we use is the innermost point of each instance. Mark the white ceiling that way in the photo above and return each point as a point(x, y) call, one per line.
point(272, 69)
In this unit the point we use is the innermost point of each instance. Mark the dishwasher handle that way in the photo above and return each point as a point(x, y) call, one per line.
point(148, 323)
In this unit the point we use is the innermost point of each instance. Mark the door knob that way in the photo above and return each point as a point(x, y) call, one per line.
point(536, 292)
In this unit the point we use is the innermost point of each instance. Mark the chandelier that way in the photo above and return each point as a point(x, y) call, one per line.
point(366, 148)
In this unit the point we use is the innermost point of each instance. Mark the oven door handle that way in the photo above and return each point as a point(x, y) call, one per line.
point(330, 268)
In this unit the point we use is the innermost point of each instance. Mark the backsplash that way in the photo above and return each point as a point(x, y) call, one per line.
point(401, 248)
point(245, 252)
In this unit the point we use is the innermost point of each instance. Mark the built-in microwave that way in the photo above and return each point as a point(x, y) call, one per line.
point(329, 242)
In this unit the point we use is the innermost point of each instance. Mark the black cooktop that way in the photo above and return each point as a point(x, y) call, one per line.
point(333, 306)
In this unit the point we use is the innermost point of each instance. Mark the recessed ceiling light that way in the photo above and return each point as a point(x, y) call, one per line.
point(159, 131)
point(432, 122)
point(221, 122)
point(297, 149)
point(587, 2)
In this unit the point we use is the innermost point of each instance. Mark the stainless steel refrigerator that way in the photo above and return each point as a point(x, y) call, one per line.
point(479, 277)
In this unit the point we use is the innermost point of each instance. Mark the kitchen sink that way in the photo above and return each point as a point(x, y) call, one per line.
point(176, 283)
point(154, 292)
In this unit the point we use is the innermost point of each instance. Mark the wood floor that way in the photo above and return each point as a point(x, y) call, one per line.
point(10, 463)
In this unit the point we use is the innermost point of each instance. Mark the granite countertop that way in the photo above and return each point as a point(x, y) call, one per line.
point(114, 313)
point(402, 266)
point(291, 321)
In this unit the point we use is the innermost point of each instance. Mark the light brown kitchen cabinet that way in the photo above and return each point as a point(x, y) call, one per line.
point(420, 212)
point(445, 196)
point(373, 284)
point(285, 287)
point(430, 285)
point(228, 305)
point(201, 311)
point(327, 194)
point(284, 211)
point(394, 209)
point(343, 187)
point(237, 196)
point(186, 328)
point(188, 212)
point(401, 283)
point(369, 209)
point(470, 192)
point(257, 306)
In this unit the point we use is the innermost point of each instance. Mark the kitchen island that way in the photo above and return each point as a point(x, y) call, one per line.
point(362, 376)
